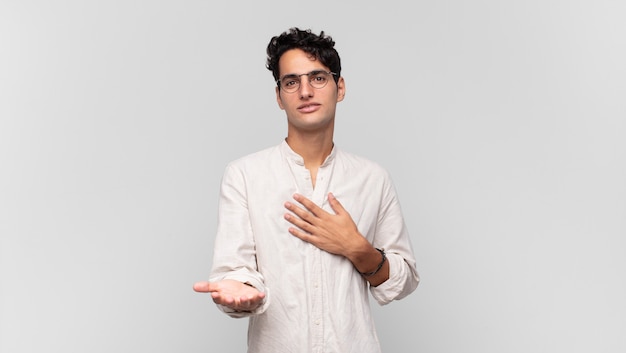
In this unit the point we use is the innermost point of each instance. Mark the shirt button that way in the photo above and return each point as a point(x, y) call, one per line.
point(315, 285)
point(317, 322)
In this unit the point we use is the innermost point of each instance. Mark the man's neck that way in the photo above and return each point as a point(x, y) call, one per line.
point(313, 148)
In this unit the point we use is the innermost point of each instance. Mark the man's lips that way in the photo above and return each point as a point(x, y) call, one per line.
point(308, 108)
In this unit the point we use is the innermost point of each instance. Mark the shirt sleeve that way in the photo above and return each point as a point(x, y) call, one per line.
point(234, 253)
point(392, 235)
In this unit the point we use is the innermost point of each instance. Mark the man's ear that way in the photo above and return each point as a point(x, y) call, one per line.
point(341, 89)
point(278, 99)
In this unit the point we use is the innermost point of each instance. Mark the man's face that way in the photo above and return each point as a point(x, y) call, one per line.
point(308, 109)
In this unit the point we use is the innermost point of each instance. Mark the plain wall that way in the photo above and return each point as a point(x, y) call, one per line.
point(503, 124)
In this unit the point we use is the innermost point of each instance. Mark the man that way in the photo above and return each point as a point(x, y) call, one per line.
point(306, 229)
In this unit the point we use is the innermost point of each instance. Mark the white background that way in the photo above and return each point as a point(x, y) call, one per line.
point(503, 124)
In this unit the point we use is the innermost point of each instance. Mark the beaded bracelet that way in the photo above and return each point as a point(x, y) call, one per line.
point(380, 265)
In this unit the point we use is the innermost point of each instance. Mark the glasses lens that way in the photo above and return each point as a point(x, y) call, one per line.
point(290, 83)
point(318, 79)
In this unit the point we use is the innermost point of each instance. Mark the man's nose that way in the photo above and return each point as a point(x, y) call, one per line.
point(306, 91)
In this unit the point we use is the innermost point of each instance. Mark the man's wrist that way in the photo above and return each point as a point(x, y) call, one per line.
point(380, 265)
point(365, 257)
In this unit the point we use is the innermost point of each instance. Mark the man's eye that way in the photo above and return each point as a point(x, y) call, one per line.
point(290, 82)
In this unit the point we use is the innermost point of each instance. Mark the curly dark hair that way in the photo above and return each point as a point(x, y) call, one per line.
point(321, 47)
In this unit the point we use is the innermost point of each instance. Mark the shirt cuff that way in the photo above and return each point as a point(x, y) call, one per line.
point(401, 282)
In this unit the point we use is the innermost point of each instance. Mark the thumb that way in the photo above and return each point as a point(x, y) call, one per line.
point(203, 287)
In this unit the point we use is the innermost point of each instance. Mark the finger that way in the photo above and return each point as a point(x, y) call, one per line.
point(204, 287)
point(255, 301)
point(335, 204)
point(301, 235)
point(245, 303)
point(309, 205)
point(304, 225)
point(249, 302)
point(301, 214)
point(226, 300)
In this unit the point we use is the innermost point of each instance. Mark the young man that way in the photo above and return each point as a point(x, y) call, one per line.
point(305, 229)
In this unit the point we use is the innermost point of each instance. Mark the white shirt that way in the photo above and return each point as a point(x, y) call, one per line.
point(315, 301)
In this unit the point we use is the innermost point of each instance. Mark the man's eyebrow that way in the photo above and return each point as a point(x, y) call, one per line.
point(306, 73)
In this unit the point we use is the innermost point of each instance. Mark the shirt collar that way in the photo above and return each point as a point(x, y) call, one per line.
point(296, 158)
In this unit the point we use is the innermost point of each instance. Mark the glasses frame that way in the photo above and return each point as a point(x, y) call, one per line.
point(308, 75)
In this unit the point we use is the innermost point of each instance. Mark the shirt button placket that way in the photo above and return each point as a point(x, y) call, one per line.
point(318, 195)
point(318, 304)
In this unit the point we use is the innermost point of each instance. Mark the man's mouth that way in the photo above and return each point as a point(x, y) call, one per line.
point(308, 108)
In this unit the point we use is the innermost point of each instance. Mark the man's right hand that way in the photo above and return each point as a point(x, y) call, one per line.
point(233, 294)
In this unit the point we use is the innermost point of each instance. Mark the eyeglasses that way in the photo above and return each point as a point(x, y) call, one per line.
point(317, 79)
